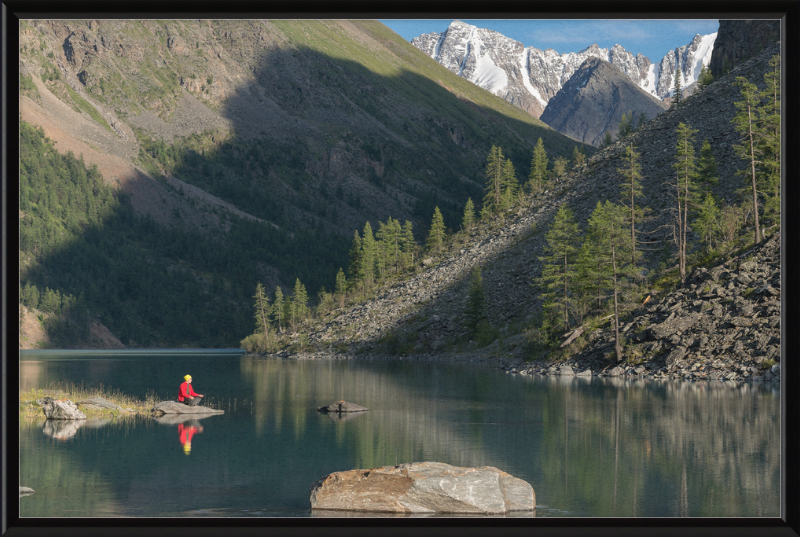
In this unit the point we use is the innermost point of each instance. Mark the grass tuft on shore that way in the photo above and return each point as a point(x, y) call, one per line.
point(30, 409)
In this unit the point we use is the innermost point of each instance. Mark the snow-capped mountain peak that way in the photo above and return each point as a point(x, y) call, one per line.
point(530, 77)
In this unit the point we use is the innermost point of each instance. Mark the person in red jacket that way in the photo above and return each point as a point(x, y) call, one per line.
point(186, 394)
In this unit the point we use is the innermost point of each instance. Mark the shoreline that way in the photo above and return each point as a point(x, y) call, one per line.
point(542, 368)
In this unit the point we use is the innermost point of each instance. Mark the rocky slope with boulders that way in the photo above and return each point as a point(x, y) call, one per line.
point(724, 324)
point(422, 317)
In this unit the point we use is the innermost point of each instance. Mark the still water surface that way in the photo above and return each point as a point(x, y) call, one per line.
point(589, 447)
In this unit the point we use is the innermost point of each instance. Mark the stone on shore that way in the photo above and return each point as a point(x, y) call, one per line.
point(23, 491)
point(174, 407)
point(61, 409)
point(423, 487)
point(342, 406)
point(98, 403)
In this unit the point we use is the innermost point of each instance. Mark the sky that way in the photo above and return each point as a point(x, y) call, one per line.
point(653, 38)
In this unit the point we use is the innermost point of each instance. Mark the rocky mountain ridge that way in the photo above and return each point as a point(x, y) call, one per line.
point(593, 101)
point(529, 77)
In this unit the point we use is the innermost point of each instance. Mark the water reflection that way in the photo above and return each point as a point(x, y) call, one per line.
point(588, 446)
point(66, 429)
point(186, 431)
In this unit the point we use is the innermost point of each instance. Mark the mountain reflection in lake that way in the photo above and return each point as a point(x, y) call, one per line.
point(589, 447)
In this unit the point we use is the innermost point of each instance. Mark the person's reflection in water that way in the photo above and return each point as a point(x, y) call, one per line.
point(186, 431)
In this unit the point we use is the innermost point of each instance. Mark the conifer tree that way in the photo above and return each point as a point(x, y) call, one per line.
point(578, 157)
point(750, 147)
point(262, 308)
point(625, 125)
point(771, 120)
point(469, 216)
point(707, 168)
point(538, 173)
point(607, 140)
point(51, 301)
point(397, 243)
point(631, 185)
point(677, 92)
point(409, 244)
point(368, 252)
point(278, 308)
point(705, 78)
point(341, 287)
point(558, 269)
point(299, 302)
point(685, 187)
point(474, 312)
point(382, 240)
point(436, 234)
point(707, 222)
point(354, 269)
point(510, 186)
point(494, 180)
point(559, 167)
point(607, 229)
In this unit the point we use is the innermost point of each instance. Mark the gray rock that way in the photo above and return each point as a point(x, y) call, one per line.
point(174, 407)
point(675, 356)
point(24, 491)
point(98, 403)
point(616, 372)
point(585, 373)
point(671, 326)
point(61, 409)
point(342, 406)
point(566, 370)
point(423, 487)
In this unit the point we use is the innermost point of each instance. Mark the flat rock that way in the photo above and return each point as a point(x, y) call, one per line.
point(174, 407)
point(342, 406)
point(25, 490)
point(423, 487)
point(94, 403)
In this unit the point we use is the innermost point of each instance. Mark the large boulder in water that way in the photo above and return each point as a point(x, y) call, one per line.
point(174, 407)
point(423, 488)
point(61, 409)
point(342, 406)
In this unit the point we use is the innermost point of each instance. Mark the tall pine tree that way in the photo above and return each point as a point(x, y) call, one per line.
point(685, 188)
point(631, 186)
point(608, 231)
point(538, 173)
point(436, 234)
point(558, 268)
point(494, 180)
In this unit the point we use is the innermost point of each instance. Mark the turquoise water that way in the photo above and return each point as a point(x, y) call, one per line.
point(589, 447)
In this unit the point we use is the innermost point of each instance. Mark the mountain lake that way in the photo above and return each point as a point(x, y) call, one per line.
point(590, 447)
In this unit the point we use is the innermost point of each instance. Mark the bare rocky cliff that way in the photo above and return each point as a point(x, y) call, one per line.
point(740, 40)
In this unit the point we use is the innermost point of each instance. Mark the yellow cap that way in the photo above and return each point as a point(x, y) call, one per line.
point(187, 378)
point(187, 447)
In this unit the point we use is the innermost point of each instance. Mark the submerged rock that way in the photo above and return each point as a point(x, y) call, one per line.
point(174, 407)
point(342, 406)
point(61, 409)
point(423, 487)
